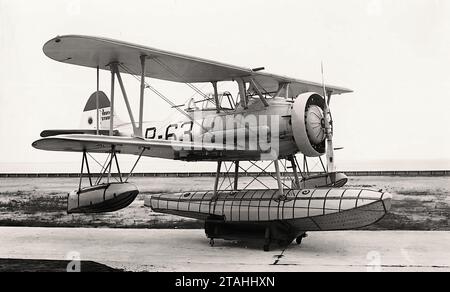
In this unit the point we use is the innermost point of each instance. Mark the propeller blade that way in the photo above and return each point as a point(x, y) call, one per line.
point(329, 135)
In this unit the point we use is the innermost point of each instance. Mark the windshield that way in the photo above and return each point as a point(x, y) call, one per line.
point(226, 102)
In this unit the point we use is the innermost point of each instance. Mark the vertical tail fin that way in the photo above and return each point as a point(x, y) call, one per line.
point(89, 116)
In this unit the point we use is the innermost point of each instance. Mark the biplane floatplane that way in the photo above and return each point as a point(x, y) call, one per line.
point(272, 118)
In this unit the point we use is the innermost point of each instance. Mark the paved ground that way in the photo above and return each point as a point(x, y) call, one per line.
point(188, 250)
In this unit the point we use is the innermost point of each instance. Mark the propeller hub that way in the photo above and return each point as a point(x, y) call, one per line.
point(315, 124)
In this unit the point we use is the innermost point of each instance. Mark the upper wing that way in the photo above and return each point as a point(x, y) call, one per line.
point(93, 51)
point(134, 146)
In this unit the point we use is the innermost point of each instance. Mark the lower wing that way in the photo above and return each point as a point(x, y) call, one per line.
point(135, 146)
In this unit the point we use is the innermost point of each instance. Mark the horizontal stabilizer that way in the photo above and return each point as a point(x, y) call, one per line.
point(52, 133)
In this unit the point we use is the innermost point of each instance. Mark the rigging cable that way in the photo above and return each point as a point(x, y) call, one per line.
point(162, 96)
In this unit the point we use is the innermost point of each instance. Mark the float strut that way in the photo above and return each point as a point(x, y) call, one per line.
point(216, 183)
point(236, 175)
point(294, 169)
point(280, 183)
point(82, 170)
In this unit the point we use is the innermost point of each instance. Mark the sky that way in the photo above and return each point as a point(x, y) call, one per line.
point(393, 54)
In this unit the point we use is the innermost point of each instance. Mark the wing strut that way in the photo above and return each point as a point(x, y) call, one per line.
point(216, 97)
point(243, 93)
point(288, 88)
point(97, 100)
point(136, 131)
point(141, 105)
point(115, 72)
point(261, 96)
point(111, 115)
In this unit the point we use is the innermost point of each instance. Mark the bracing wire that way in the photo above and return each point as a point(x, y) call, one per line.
point(160, 95)
point(154, 90)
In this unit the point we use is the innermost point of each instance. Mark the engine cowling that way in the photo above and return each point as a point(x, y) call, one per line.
point(308, 124)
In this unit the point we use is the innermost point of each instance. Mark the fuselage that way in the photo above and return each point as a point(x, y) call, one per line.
point(255, 131)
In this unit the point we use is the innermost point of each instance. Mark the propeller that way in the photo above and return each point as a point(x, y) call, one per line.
point(328, 133)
